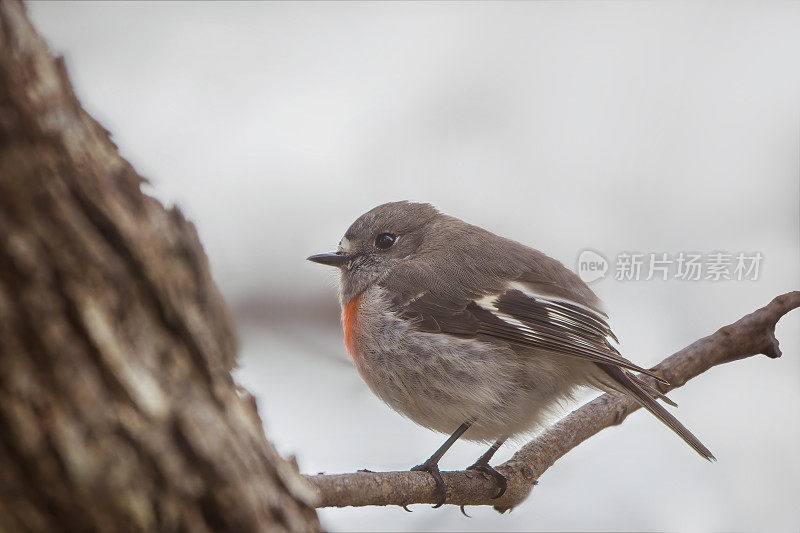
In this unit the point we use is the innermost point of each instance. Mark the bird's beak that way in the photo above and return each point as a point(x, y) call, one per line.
point(336, 259)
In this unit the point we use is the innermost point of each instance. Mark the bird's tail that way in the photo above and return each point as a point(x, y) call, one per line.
point(641, 392)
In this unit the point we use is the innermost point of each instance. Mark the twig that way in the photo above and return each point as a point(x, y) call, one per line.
point(751, 335)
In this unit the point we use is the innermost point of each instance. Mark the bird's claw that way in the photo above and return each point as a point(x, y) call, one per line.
point(464, 512)
point(433, 470)
point(499, 478)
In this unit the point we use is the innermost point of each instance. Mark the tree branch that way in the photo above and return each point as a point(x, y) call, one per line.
point(751, 335)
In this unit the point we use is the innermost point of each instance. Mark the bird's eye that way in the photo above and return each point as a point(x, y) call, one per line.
point(385, 240)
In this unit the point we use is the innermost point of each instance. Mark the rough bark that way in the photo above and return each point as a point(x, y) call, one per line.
point(751, 335)
point(117, 407)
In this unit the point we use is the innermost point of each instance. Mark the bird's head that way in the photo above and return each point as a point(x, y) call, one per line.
point(378, 241)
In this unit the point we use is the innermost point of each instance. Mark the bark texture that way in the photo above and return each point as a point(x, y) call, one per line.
point(751, 335)
point(117, 407)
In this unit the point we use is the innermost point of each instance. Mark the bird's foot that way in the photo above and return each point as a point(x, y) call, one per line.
point(499, 478)
point(433, 469)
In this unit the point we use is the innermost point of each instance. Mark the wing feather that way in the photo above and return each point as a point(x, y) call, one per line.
point(522, 318)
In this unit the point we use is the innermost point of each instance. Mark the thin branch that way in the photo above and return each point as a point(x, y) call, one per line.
point(751, 335)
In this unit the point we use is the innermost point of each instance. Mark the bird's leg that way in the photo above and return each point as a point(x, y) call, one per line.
point(482, 465)
point(432, 464)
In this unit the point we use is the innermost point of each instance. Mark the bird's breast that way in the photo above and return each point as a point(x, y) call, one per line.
point(349, 319)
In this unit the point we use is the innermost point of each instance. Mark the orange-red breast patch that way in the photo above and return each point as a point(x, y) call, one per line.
point(349, 312)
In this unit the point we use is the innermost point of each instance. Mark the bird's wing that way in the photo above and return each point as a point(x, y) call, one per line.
point(518, 316)
point(537, 314)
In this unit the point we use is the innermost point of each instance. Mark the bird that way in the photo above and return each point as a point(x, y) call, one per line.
point(472, 334)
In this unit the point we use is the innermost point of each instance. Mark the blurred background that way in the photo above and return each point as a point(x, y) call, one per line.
point(617, 126)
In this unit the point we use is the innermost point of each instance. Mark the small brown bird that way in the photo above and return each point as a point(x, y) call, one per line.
point(467, 332)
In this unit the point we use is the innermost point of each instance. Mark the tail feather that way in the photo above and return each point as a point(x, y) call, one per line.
point(629, 384)
point(654, 392)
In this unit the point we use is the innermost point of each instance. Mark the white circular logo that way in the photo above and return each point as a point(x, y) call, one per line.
point(591, 266)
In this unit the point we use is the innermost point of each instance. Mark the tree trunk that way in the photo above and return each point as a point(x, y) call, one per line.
point(117, 407)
